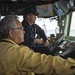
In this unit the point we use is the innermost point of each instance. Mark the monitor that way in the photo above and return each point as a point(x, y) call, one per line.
point(60, 7)
point(45, 10)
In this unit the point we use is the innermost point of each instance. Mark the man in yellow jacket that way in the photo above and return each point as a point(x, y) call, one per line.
point(20, 60)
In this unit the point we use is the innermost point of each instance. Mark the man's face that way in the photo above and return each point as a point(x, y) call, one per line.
point(32, 18)
point(18, 32)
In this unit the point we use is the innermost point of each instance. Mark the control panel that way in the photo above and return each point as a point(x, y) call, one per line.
point(67, 49)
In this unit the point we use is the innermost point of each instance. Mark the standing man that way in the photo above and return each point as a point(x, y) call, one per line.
point(32, 29)
point(37, 44)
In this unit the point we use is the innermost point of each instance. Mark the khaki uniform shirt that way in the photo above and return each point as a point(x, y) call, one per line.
point(20, 60)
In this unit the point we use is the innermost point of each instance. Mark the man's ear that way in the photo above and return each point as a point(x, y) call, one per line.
point(11, 33)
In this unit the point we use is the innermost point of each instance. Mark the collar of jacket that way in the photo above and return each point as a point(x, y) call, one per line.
point(9, 41)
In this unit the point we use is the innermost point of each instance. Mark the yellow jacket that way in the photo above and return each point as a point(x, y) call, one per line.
point(20, 60)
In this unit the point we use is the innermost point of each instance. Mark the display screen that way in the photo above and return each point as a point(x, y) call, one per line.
point(45, 10)
point(58, 9)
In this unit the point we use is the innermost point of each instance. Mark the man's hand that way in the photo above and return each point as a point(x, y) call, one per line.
point(46, 43)
point(38, 41)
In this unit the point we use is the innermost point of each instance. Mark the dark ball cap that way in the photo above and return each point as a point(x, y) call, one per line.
point(30, 10)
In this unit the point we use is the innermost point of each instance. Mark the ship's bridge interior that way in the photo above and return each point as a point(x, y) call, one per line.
point(61, 10)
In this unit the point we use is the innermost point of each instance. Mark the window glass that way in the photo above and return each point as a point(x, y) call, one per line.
point(72, 27)
point(20, 18)
point(48, 25)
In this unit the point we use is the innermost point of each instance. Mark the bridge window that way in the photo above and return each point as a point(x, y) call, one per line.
point(48, 25)
point(72, 28)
